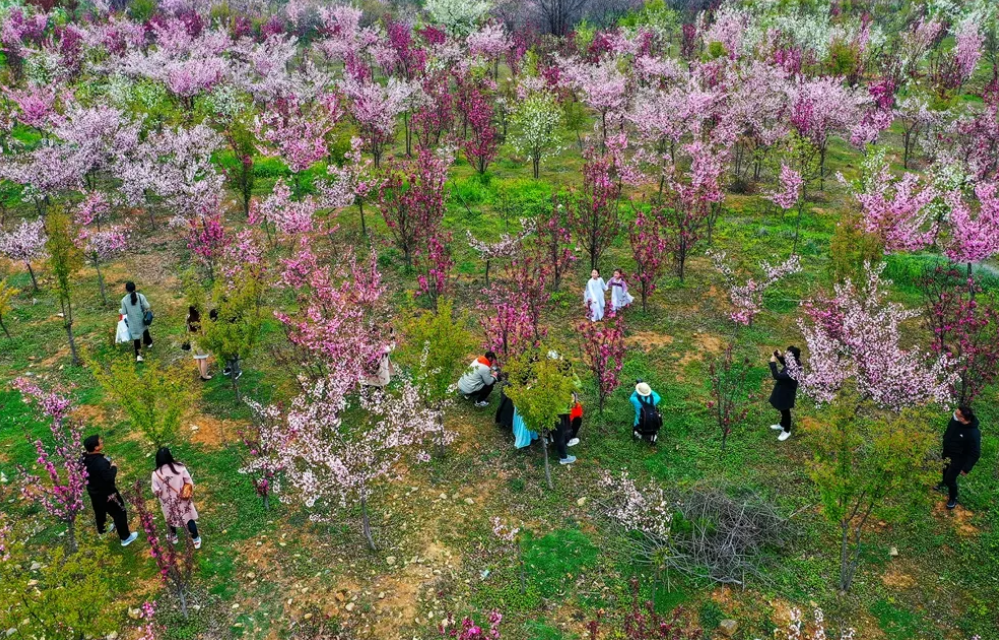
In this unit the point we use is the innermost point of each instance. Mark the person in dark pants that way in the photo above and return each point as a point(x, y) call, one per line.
point(101, 474)
point(480, 378)
point(134, 307)
point(785, 390)
point(962, 446)
point(575, 421)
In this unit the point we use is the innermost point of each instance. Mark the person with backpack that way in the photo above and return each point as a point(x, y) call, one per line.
point(785, 390)
point(648, 420)
point(139, 315)
point(962, 447)
point(103, 492)
point(173, 485)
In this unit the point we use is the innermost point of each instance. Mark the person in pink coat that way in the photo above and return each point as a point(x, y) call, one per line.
point(177, 502)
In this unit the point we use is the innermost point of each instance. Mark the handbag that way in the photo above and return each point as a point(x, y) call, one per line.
point(147, 317)
point(186, 492)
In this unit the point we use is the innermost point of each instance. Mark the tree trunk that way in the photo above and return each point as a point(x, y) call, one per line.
point(67, 316)
point(364, 226)
point(100, 281)
point(536, 160)
point(844, 555)
point(267, 502)
point(235, 386)
point(366, 524)
point(487, 273)
point(797, 228)
point(71, 536)
point(4, 327)
point(183, 601)
point(548, 468)
point(31, 272)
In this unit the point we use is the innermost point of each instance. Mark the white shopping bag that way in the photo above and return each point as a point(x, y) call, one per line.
point(122, 334)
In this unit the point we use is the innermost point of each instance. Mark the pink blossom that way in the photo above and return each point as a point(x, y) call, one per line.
point(791, 187)
point(973, 238)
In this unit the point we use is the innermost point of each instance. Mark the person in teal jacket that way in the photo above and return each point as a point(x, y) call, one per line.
point(644, 394)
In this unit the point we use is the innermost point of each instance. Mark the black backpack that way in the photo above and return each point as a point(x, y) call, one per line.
point(650, 421)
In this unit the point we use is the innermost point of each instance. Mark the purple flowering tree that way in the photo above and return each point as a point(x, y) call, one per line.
point(25, 244)
point(747, 298)
point(61, 496)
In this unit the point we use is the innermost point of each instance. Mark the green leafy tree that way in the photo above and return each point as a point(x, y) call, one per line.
point(155, 398)
point(441, 345)
point(65, 259)
point(541, 389)
point(71, 596)
point(7, 293)
point(862, 463)
point(234, 334)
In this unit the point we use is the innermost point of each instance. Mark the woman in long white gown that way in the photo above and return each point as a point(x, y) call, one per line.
point(594, 296)
point(620, 298)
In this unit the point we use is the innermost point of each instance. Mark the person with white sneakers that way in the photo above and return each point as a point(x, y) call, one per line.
point(785, 389)
point(139, 315)
point(173, 485)
point(478, 382)
point(103, 492)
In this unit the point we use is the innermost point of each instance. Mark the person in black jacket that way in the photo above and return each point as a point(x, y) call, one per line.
point(101, 474)
point(785, 390)
point(962, 446)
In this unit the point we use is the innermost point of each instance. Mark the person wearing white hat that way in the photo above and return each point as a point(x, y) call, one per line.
point(648, 421)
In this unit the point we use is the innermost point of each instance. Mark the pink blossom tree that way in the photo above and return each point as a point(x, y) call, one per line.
point(603, 88)
point(747, 298)
point(101, 247)
point(482, 142)
point(376, 108)
point(412, 201)
point(552, 246)
point(506, 321)
point(262, 440)
point(331, 463)
point(857, 335)
point(62, 495)
point(648, 249)
point(352, 183)
point(790, 196)
point(289, 217)
point(435, 263)
point(207, 240)
point(298, 134)
point(507, 247)
point(973, 237)
point(602, 346)
point(899, 211)
point(593, 213)
point(25, 244)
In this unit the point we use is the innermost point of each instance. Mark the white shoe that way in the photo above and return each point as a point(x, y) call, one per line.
point(784, 436)
point(110, 528)
point(637, 435)
point(197, 542)
point(568, 460)
point(776, 427)
point(130, 539)
point(139, 359)
point(482, 404)
point(173, 539)
point(572, 443)
point(654, 438)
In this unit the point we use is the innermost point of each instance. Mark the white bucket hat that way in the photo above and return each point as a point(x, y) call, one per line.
point(643, 389)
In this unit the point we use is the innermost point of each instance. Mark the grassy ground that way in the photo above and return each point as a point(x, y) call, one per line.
point(272, 574)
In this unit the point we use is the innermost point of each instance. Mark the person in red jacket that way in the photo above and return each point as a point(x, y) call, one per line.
point(575, 421)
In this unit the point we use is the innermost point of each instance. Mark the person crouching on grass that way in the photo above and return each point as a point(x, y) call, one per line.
point(478, 382)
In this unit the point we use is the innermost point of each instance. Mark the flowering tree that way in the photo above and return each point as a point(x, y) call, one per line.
point(175, 564)
point(296, 134)
point(352, 182)
point(965, 326)
point(412, 200)
point(207, 241)
point(482, 143)
point(685, 212)
point(506, 321)
point(856, 335)
point(648, 249)
point(262, 442)
point(288, 216)
point(506, 248)
point(62, 495)
point(332, 463)
point(916, 119)
point(24, 244)
point(602, 345)
point(593, 214)
point(435, 264)
point(535, 123)
point(790, 196)
point(375, 108)
point(648, 513)
point(973, 238)
point(899, 212)
point(748, 298)
point(553, 244)
point(603, 88)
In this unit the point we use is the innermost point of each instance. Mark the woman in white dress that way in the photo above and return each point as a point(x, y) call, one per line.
point(594, 296)
point(620, 298)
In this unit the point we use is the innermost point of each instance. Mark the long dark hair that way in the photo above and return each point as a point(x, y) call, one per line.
point(130, 287)
point(163, 456)
point(193, 319)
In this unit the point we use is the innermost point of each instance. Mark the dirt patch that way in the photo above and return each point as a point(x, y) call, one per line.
point(898, 579)
point(649, 340)
point(960, 516)
point(710, 343)
point(90, 414)
point(213, 432)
